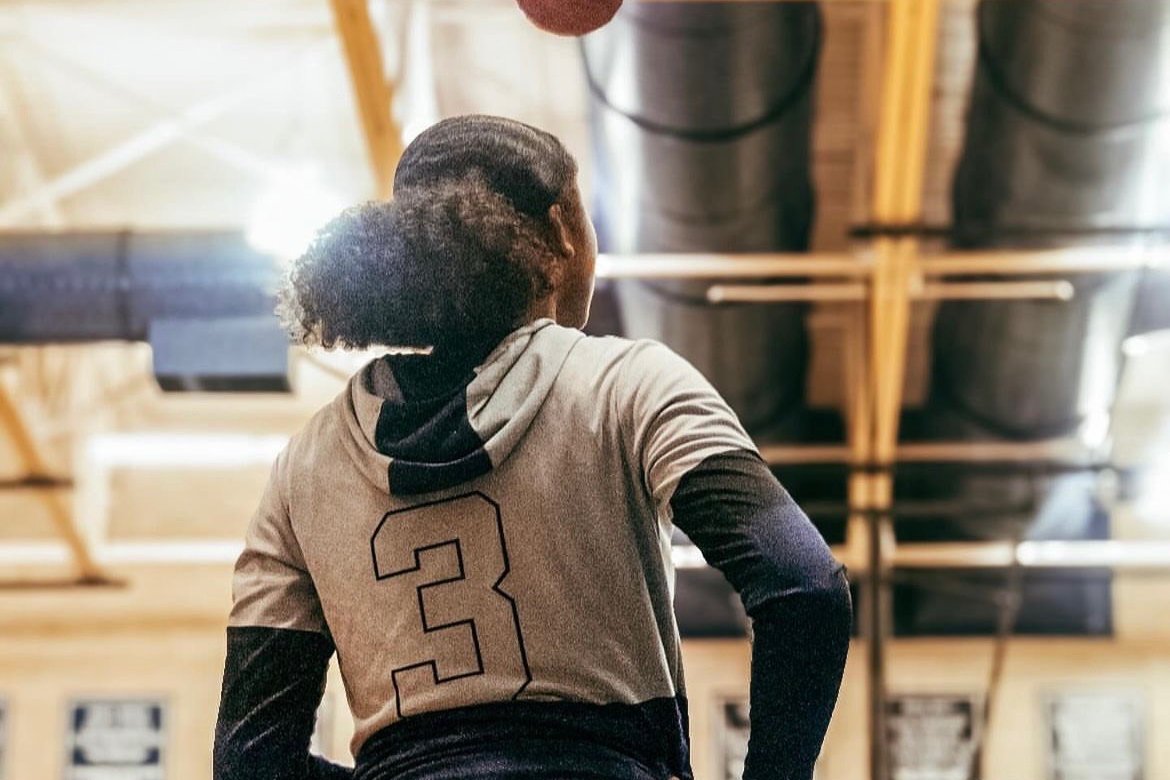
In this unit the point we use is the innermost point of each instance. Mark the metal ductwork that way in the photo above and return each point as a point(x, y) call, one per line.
point(1066, 146)
point(204, 301)
point(1151, 312)
point(701, 118)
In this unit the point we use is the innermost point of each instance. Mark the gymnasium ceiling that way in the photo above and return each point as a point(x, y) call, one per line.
point(173, 113)
point(135, 114)
point(157, 114)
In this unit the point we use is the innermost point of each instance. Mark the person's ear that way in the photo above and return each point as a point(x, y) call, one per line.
point(562, 235)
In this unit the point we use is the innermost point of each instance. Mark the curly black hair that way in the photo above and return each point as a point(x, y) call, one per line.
point(455, 261)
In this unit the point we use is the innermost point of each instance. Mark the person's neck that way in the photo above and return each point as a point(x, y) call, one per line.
point(544, 308)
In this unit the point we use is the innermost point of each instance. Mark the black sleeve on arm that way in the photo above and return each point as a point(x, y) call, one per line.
point(796, 593)
point(273, 682)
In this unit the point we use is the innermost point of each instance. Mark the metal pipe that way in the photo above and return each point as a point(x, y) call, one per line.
point(785, 293)
point(1006, 262)
point(1072, 260)
point(733, 265)
point(1127, 555)
point(782, 454)
point(1058, 290)
point(1062, 449)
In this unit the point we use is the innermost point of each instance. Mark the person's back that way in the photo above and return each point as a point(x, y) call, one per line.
point(482, 533)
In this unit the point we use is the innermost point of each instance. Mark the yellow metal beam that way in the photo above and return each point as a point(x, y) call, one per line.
point(899, 175)
point(372, 92)
point(903, 122)
point(898, 182)
point(60, 511)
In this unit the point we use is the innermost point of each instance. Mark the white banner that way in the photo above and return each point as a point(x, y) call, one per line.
point(1096, 735)
point(732, 729)
point(932, 736)
point(116, 739)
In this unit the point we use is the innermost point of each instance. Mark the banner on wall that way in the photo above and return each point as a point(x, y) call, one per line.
point(732, 729)
point(1096, 735)
point(932, 736)
point(116, 739)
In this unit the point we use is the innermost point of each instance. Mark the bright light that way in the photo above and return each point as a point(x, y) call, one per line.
point(1152, 496)
point(183, 450)
point(687, 556)
point(1153, 499)
point(1094, 429)
point(1144, 343)
point(293, 207)
point(1112, 552)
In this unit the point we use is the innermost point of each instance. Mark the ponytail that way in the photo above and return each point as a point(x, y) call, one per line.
point(452, 265)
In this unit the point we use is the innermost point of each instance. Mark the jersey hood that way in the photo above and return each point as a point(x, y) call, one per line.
point(412, 431)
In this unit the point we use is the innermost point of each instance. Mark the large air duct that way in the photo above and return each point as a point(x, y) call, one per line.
point(1066, 146)
point(204, 300)
point(701, 118)
point(1151, 312)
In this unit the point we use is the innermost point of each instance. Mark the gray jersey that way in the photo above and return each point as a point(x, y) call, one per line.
point(507, 541)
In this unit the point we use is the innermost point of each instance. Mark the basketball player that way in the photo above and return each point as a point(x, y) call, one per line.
point(480, 529)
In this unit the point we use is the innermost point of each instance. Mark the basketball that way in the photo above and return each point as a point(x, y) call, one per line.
point(569, 17)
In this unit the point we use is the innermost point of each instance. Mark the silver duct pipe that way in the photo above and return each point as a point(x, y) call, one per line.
point(203, 300)
point(701, 118)
point(1067, 145)
point(1151, 312)
point(81, 287)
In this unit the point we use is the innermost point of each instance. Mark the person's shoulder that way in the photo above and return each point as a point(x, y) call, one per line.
point(631, 368)
point(320, 432)
point(647, 361)
point(625, 353)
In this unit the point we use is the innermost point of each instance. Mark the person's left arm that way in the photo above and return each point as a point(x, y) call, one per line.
point(278, 651)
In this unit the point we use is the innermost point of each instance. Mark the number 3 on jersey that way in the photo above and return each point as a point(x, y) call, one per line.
point(446, 562)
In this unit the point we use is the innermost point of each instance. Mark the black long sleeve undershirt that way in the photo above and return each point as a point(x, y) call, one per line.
point(273, 682)
point(797, 594)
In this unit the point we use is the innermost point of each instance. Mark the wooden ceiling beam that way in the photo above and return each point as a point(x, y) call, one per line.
point(34, 464)
point(372, 92)
point(899, 167)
